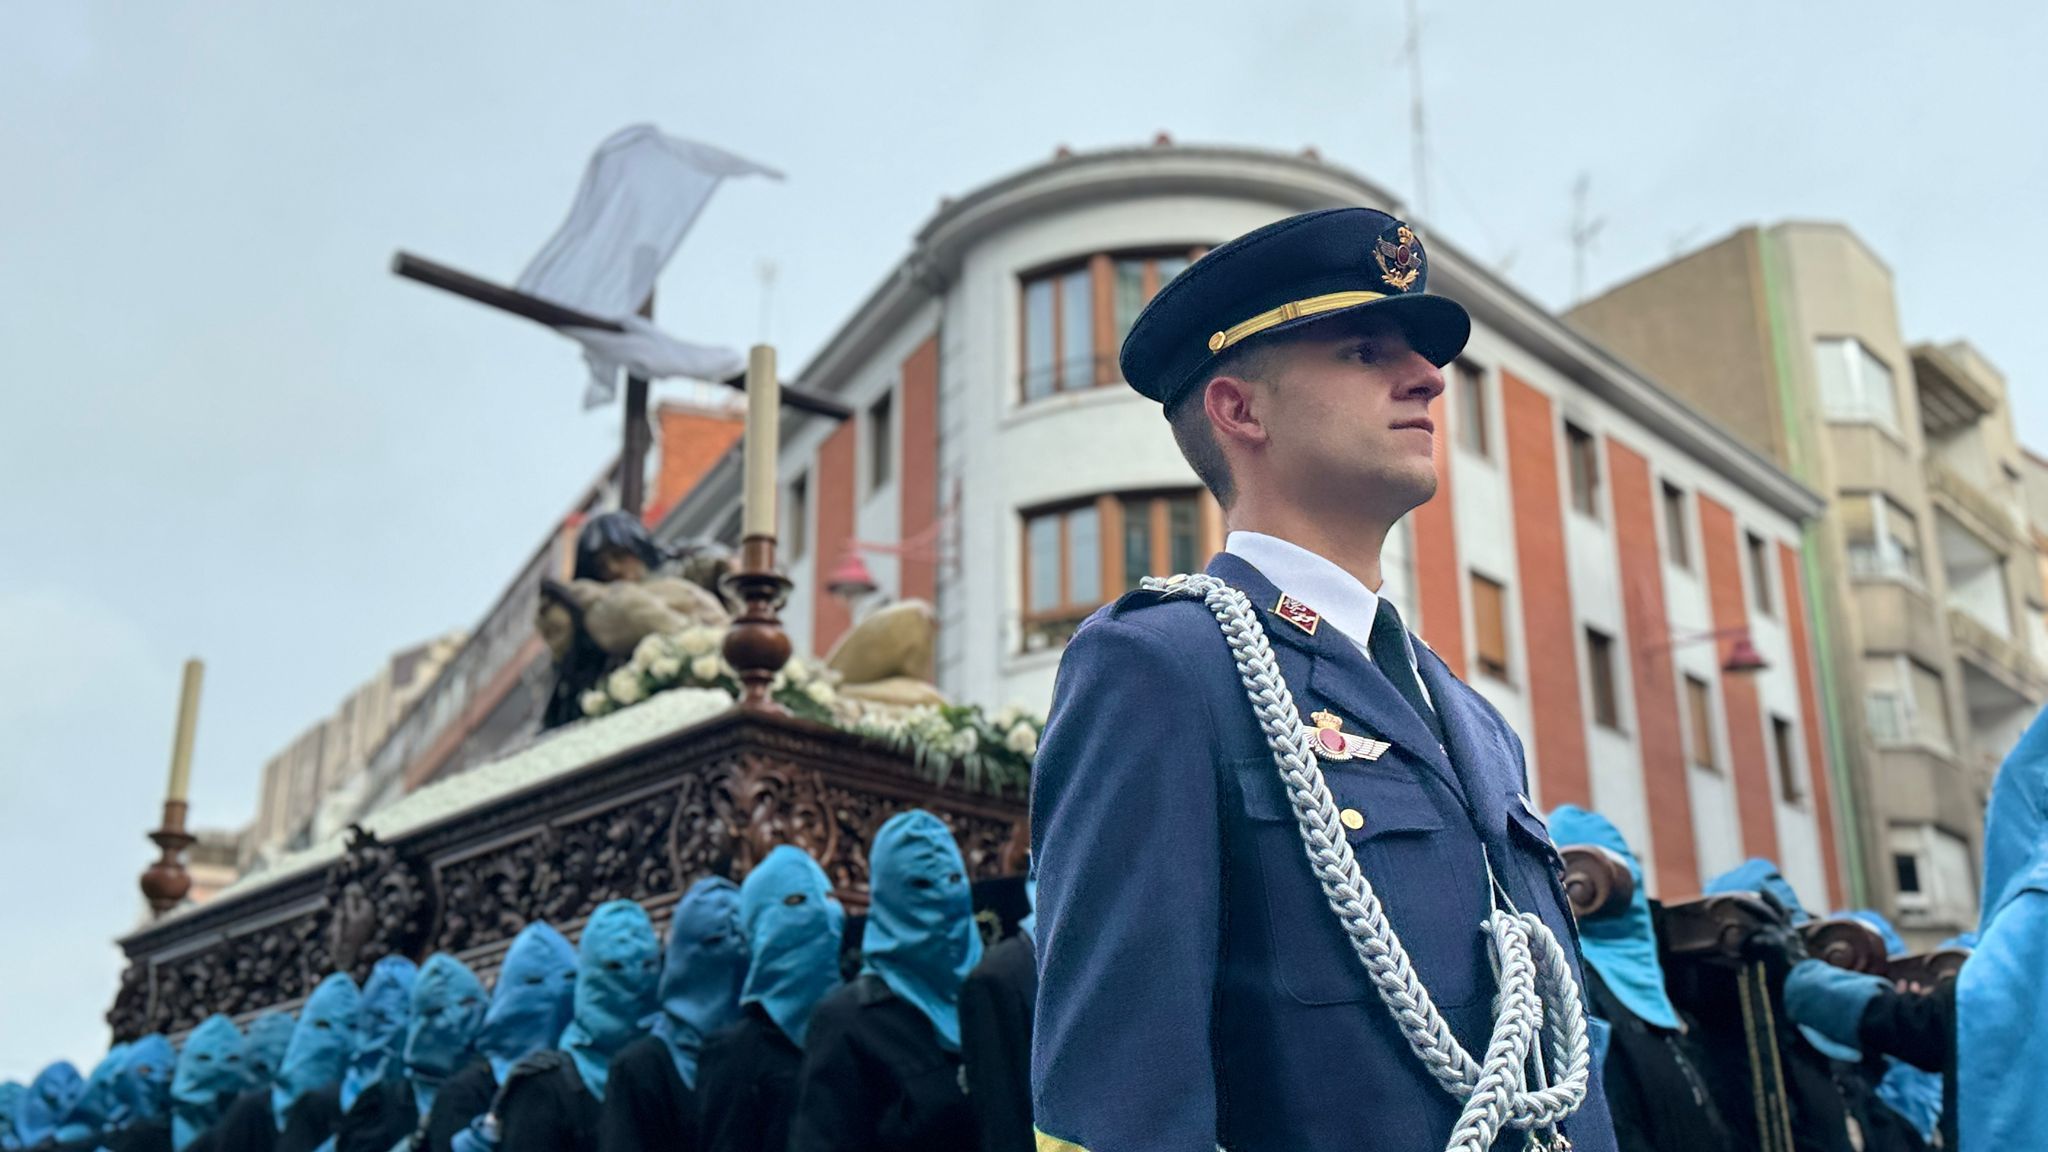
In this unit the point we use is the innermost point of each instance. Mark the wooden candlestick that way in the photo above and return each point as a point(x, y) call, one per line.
point(755, 645)
point(165, 883)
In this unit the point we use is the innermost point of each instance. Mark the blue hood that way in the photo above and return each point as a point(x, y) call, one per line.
point(700, 979)
point(11, 1096)
point(618, 963)
point(531, 1003)
point(1623, 949)
point(51, 1096)
point(793, 929)
point(263, 1049)
point(447, 1012)
point(376, 1045)
point(2001, 1003)
point(1029, 924)
point(1759, 875)
point(207, 1076)
point(144, 1090)
point(98, 1104)
point(318, 1052)
point(920, 937)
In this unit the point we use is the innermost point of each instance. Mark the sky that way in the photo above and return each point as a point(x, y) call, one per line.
point(226, 430)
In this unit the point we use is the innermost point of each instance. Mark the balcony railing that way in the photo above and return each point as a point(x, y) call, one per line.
point(1973, 501)
point(1989, 650)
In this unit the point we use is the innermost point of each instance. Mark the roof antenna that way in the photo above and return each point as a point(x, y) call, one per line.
point(1583, 233)
point(1418, 149)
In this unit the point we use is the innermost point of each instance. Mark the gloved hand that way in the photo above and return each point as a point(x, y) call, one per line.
point(1831, 1000)
point(1778, 947)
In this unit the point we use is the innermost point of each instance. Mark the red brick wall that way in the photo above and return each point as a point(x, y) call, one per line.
point(1674, 859)
point(1755, 794)
point(918, 487)
point(1810, 717)
point(1439, 582)
point(1545, 581)
point(833, 487)
point(691, 440)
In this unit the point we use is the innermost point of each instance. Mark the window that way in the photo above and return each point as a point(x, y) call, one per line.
point(1468, 395)
point(1490, 627)
point(1582, 456)
point(1600, 668)
point(1905, 702)
point(1906, 874)
point(1162, 535)
point(881, 442)
point(797, 526)
point(1759, 572)
point(1785, 757)
point(1699, 712)
point(1882, 538)
point(1065, 348)
point(1079, 555)
point(1677, 538)
point(1931, 868)
point(1855, 386)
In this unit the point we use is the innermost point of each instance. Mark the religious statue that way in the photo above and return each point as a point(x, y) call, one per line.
point(619, 593)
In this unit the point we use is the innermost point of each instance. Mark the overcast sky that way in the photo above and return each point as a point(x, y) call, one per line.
point(227, 431)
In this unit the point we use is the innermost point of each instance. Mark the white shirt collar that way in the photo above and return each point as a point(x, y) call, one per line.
point(1336, 595)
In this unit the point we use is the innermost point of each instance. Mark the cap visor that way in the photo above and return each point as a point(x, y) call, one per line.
point(1436, 326)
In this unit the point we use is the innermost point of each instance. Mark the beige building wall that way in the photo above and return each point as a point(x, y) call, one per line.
point(1926, 567)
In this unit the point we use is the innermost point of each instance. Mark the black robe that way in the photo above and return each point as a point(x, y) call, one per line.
point(1708, 993)
point(545, 1107)
point(148, 1136)
point(466, 1096)
point(647, 1107)
point(876, 1080)
point(381, 1117)
point(747, 1086)
point(308, 1123)
point(1656, 1090)
point(995, 1042)
point(1919, 1028)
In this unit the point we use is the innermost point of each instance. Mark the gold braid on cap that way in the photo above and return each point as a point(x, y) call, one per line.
point(1292, 310)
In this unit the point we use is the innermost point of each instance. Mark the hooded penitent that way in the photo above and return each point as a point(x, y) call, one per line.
point(2001, 998)
point(319, 1049)
point(793, 929)
point(532, 1001)
point(144, 1092)
point(263, 1049)
point(11, 1096)
point(208, 1075)
point(447, 1012)
point(1623, 949)
point(1759, 875)
point(377, 1044)
point(1910, 1092)
point(95, 1109)
point(50, 1098)
point(618, 963)
point(920, 937)
point(700, 979)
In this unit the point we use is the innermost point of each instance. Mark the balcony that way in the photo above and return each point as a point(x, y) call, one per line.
point(1988, 656)
point(1973, 507)
point(1896, 614)
point(1951, 398)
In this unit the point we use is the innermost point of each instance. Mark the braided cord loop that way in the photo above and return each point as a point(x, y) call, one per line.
point(1538, 1018)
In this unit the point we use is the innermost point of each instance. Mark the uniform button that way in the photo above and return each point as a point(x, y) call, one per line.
point(1352, 818)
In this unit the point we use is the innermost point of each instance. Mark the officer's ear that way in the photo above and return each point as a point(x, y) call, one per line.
point(1232, 404)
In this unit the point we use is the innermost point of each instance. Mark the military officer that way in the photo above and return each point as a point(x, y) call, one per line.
point(1318, 913)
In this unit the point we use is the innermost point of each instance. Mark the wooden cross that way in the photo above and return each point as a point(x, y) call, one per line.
point(633, 447)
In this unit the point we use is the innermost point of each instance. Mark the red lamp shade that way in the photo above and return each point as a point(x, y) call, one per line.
point(851, 580)
point(1743, 657)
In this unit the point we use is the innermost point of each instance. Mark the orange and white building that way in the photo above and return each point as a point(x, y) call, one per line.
point(1600, 560)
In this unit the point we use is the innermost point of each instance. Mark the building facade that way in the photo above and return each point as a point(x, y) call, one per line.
point(1594, 562)
point(1925, 568)
point(329, 758)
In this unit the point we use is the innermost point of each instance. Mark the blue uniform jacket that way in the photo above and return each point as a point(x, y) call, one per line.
point(1194, 987)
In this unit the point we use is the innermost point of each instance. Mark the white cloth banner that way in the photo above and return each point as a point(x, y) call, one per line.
point(639, 196)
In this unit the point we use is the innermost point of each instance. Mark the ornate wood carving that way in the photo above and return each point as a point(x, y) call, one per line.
point(641, 827)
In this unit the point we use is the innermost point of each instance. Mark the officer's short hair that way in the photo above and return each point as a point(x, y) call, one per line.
point(1189, 419)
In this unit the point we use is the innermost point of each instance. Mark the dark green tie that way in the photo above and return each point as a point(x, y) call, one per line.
point(1389, 649)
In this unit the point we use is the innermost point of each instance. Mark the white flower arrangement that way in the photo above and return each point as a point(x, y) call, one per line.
point(989, 757)
point(693, 658)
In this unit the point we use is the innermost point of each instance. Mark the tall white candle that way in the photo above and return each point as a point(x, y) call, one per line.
point(188, 725)
point(764, 435)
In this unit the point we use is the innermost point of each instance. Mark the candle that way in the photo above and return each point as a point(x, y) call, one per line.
point(188, 724)
point(764, 436)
